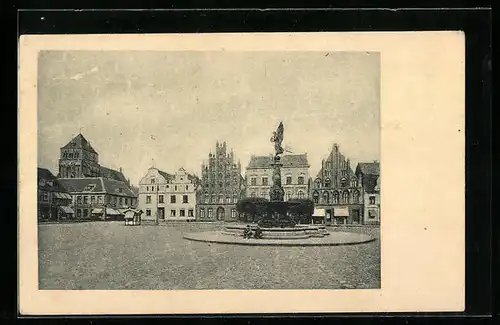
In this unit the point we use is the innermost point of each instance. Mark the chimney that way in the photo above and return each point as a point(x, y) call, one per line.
point(120, 170)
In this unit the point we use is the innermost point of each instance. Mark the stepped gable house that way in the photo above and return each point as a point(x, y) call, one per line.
point(221, 186)
point(294, 176)
point(168, 197)
point(336, 189)
point(53, 199)
point(368, 175)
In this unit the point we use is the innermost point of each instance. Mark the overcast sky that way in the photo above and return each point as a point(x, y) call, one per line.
point(172, 107)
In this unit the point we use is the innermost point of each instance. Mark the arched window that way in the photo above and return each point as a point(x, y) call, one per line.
point(335, 197)
point(263, 194)
point(288, 195)
point(300, 194)
point(355, 197)
point(214, 198)
point(343, 182)
point(317, 183)
point(345, 197)
point(328, 182)
point(326, 197)
point(207, 197)
point(252, 194)
point(221, 198)
point(316, 197)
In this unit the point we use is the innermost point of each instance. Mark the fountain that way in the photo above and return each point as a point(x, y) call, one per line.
point(277, 226)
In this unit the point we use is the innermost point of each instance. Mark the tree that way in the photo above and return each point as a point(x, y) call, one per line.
point(255, 207)
point(301, 209)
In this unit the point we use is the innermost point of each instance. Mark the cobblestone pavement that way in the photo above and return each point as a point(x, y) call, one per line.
point(109, 255)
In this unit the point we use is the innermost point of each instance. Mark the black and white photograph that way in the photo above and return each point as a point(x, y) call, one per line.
point(208, 170)
point(241, 173)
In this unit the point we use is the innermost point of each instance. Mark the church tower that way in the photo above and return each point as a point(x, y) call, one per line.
point(78, 159)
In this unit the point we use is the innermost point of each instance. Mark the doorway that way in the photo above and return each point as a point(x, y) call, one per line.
point(161, 213)
point(220, 213)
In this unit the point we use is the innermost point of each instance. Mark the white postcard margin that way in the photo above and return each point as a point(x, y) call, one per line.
point(422, 176)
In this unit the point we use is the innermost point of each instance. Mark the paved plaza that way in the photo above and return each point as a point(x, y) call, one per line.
point(110, 255)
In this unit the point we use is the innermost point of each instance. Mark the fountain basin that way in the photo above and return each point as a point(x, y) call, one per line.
point(297, 232)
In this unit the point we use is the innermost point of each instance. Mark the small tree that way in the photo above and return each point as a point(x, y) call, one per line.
point(255, 207)
point(301, 209)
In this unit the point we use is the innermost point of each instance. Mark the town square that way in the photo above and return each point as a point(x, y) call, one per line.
point(271, 199)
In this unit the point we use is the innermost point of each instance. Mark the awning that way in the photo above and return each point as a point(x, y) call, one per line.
point(341, 212)
point(112, 212)
point(67, 210)
point(59, 195)
point(319, 213)
point(97, 211)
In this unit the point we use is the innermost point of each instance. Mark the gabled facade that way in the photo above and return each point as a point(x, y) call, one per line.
point(294, 176)
point(336, 190)
point(168, 197)
point(368, 175)
point(53, 199)
point(221, 186)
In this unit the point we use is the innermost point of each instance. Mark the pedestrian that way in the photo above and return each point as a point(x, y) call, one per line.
point(248, 232)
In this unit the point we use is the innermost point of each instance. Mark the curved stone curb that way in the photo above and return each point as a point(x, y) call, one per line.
point(334, 239)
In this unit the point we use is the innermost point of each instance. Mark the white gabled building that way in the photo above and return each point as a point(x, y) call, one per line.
point(168, 197)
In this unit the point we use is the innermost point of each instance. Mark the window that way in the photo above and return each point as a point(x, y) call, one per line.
point(148, 199)
point(79, 213)
point(263, 194)
point(184, 199)
point(126, 201)
point(190, 213)
point(335, 197)
point(172, 213)
point(148, 212)
point(121, 201)
point(85, 213)
point(372, 199)
point(182, 213)
point(175, 188)
point(152, 180)
point(41, 182)
point(221, 198)
point(99, 199)
point(160, 199)
point(187, 187)
point(343, 182)
point(207, 199)
point(147, 188)
point(210, 213)
point(172, 199)
point(202, 213)
point(253, 181)
point(85, 199)
point(328, 183)
point(92, 199)
point(326, 197)
point(288, 195)
point(318, 183)
point(264, 181)
point(233, 213)
point(300, 195)
point(89, 188)
point(252, 194)
point(356, 197)
point(372, 214)
point(345, 197)
point(301, 180)
point(316, 197)
point(288, 180)
point(157, 188)
point(79, 199)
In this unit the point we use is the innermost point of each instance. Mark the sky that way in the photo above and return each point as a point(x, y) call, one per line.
point(168, 109)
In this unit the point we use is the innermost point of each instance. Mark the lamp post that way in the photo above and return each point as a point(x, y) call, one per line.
point(156, 213)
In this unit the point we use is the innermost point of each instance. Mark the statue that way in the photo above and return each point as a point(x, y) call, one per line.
point(277, 138)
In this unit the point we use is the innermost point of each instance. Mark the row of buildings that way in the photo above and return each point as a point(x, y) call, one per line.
point(85, 189)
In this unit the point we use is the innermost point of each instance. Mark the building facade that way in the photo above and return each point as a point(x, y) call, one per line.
point(221, 186)
point(294, 176)
point(53, 199)
point(78, 159)
point(368, 175)
point(168, 197)
point(98, 197)
point(337, 190)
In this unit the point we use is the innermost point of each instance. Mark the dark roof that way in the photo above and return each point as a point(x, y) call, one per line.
point(167, 176)
point(46, 175)
point(112, 174)
point(114, 187)
point(79, 142)
point(80, 184)
point(287, 161)
point(97, 185)
point(368, 168)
